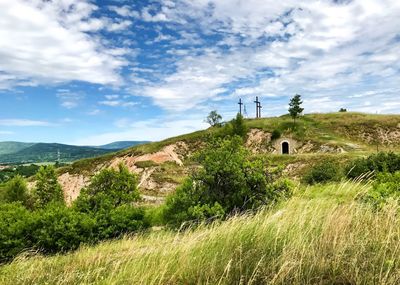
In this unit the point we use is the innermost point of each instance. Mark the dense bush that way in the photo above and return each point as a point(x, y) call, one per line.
point(47, 189)
point(326, 171)
point(108, 189)
point(235, 127)
point(16, 223)
point(276, 134)
point(119, 221)
point(229, 181)
point(58, 228)
point(104, 211)
point(386, 186)
point(16, 190)
point(381, 162)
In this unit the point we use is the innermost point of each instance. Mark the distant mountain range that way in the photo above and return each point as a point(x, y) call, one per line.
point(19, 152)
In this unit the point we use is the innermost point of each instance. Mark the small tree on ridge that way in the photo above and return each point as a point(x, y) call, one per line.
point(295, 108)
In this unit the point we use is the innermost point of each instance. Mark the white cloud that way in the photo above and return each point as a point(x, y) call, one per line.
point(69, 99)
point(45, 42)
point(24, 123)
point(328, 49)
point(117, 101)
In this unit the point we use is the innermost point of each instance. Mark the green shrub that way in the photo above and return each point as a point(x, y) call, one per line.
point(235, 127)
point(119, 221)
point(47, 189)
point(386, 186)
point(276, 134)
point(16, 224)
point(381, 162)
point(323, 172)
point(107, 190)
point(16, 190)
point(229, 181)
point(59, 229)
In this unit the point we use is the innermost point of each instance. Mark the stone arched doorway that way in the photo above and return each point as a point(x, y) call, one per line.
point(285, 148)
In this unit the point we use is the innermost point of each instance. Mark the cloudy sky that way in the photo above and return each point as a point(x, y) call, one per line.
point(92, 72)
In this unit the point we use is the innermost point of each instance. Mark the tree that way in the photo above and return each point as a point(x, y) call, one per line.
point(295, 107)
point(342, 110)
point(47, 187)
point(109, 189)
point(238, 126)
point(229, 181)
point(214, 119)
point(16, 190)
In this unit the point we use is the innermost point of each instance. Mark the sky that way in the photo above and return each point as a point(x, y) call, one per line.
point(92, 72)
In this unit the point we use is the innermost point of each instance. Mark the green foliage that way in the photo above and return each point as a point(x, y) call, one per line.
point(229, 181)
point(236, 127)
point(214, 119)
point(47, 188)
point(381, 162)
point(16, 190)
point(386, 186)
point(326, 171)
point(121, 220)
point(295, 108)
point(108, 189)
point(103, 211)
point(16, 224)
point(59, 229)
point(239, 128)
point(276, 134)
point(342, 110)
point(23, 170)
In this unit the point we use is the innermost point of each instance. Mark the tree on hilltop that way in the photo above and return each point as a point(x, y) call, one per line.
point(214, 119)
point(295, 108)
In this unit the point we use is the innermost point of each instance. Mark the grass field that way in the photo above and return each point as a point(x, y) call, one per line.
point(322, 235)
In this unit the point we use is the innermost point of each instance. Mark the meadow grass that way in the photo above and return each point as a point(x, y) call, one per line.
point(322, 235)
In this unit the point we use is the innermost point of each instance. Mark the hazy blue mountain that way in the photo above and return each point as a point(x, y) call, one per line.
point(12, 147)
point(48, 152)
point(121, 144)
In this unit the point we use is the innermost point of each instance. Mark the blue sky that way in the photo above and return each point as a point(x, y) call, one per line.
point(93, 72)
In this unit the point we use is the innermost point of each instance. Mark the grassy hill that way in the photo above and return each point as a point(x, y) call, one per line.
point(337, 135)
point(322, 235)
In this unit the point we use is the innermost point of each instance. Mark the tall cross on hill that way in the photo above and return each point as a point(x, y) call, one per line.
point(240, 106)
point(258, 108)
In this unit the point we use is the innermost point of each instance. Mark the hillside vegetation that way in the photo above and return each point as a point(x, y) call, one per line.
point(322, 235)
point(163, 165)
point(236, 211)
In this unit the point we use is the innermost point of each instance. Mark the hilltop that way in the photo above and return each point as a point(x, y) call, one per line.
point(163, 165)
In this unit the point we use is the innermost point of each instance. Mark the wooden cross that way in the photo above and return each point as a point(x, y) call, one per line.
point(258, 108)
point(240, 106)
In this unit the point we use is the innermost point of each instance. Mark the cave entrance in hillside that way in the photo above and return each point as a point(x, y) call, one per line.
point(285, 148)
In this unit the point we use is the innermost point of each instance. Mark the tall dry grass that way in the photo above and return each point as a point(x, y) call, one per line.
point(320, 236)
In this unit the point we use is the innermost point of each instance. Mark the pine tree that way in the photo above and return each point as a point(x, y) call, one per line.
point(295, 107)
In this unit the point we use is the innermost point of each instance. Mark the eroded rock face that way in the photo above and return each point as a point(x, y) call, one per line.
point(72, 185)
point(258, 141)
